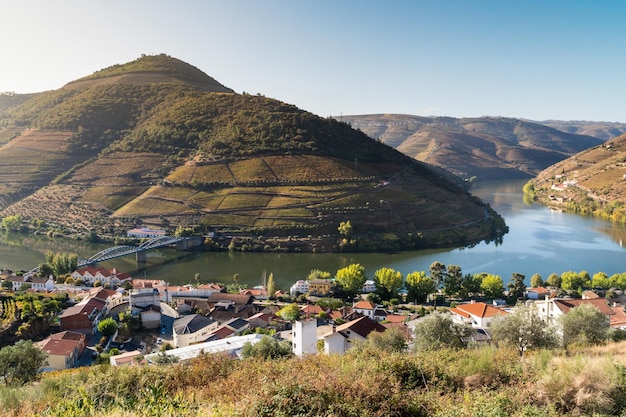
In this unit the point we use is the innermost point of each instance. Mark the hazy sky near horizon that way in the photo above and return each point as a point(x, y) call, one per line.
point(463, 58)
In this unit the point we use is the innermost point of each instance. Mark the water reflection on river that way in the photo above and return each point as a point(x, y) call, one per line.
point(539, 241)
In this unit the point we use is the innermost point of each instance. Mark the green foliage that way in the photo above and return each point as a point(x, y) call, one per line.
point(584, 325)
point(601, 280)
point(267, 348)
point(20, 363)
point(345, 229)
point(388, 282)
point(290, 312)
point(271, 285)
point(554, 280)
point(107, 327)
point(351, 279)
point(318, 274)
point(523, 329)
point(12, 223)
point(419, 286)
point(439, 331)
point(517, 287)
point(452, 280)
point(572, 281)
point(391, 340)
point(492, 286)
point(536, 281)
point(61, 263)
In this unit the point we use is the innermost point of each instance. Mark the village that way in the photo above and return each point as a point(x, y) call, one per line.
point(155, 322)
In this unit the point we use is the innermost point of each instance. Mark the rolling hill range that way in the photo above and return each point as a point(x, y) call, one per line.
point(486, 147)
point(600, 130)
point(157, 142)
point(590, 182)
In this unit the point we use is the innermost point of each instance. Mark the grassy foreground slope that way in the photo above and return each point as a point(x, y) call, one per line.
point(156, 142)
point(479, 382)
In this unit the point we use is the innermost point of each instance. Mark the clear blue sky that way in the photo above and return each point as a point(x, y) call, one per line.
point(530, 59)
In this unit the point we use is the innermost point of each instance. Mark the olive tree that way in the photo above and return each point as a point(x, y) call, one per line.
point(438, 330)
point(523, 329)
point(584, 325)
point(20, 362)
point(267, 348)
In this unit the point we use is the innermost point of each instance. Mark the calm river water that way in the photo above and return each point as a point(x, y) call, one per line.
point(539, 241)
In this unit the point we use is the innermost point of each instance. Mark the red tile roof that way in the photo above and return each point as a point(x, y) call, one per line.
point(600, 303)
point(365, 305)
point(362, 326)
point(481, 310)
point(60, 347)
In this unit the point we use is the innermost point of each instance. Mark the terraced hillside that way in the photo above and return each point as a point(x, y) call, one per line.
point(486, 147)
point(590, 182)
point(156, 142)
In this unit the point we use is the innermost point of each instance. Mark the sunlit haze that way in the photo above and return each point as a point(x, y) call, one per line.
point(529, 59)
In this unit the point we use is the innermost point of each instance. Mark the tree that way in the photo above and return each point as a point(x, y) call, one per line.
point(554, 280)
point(492, 286)
point(290, 312)
point(20, 363)
point(45, 270)
point(345, 229)
point(536, 281)
point(419, 286)
point(572, 281)
point(618, 281)
point(438, 331)
point(470, 285)
point(271, 285)
point(388, 281)
point(267, 348)
point(517, 287)
point(601, 280)
point(351, 279)
point(523, 329)
point(107, 327)
point(391, 340)
point(584, 325)
point(452, 280)
point(437, 271)
point(318, 274)
point(12, 223)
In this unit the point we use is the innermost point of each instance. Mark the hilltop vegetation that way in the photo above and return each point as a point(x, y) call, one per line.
point(485, 147)
point(591, 182)
point(156, 142)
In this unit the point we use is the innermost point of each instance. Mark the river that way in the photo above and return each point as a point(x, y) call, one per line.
point(539, 241)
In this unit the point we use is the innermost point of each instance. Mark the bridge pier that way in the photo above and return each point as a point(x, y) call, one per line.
point(140, 257)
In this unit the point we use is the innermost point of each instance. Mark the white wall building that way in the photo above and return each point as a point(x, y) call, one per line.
point(304, 337)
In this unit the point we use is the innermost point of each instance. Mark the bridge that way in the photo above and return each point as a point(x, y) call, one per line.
point(182, 243)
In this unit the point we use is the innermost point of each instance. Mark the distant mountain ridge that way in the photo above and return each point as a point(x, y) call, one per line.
point(157, 142)
point(485, 147)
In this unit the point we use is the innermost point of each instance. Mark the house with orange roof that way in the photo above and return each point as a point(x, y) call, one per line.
point(537, 293)
point(477, 314)
point(343, 337)
point(310, 310)
point(63, 349)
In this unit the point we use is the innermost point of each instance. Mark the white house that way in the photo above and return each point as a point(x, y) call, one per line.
point(42, 283)
point(550, 310)
point(369, 286)
point(479, 315)
point(300, 287)
point(90, 275)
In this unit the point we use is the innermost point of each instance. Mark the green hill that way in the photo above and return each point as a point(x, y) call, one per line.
point(485, 147)
point(156, 142)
